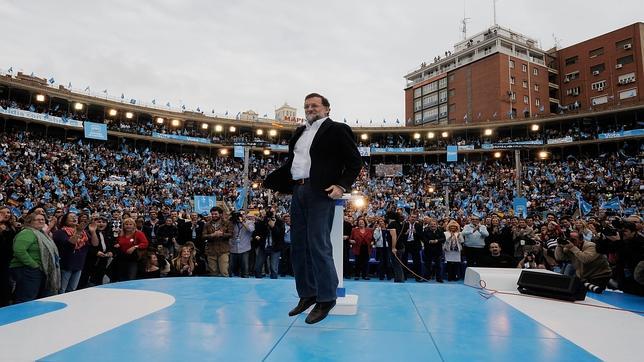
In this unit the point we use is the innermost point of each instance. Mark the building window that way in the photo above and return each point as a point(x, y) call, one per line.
point(418, 105)
point(598, 85)
point(596, 69)
point(572, 60)
point(442, 83)
point(417, 92)
point(431, 87)
point(625, 60)
point(525, 84)
point(573, 91)
point(571, 76)
point(513, 96)
point(418, 117)
point(442, 96)
point(596, 52)
point(442, 111)
point(430, 100)
point(536, 87)
point(526, 100)
point(511, 63)
point(430, 115)
point(537, 102)
point(535, 71)
point(524, 68)
point(512, 80)
point(623, 44)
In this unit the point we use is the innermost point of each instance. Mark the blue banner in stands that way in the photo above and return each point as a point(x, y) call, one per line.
point(97, 131)
point(239, 151)
point(203, 204)
point(520, 206)
point(620, 134)
point(452, 153)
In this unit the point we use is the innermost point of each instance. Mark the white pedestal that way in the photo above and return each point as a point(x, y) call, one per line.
point(346, 304)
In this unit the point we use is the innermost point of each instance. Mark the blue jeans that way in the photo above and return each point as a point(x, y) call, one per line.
point(270, 258)
point(311, 249)
point(239, 262)
point(69, 280)
point(30, 284)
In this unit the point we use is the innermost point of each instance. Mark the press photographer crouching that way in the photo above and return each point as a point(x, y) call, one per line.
point(621, 239)
point(591, 267)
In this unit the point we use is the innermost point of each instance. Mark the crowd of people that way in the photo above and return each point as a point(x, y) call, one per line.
point(113, 213)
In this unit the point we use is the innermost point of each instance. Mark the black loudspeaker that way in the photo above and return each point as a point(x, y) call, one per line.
point(549, 285)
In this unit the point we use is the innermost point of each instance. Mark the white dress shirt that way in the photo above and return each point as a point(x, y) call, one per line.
point(301, 166)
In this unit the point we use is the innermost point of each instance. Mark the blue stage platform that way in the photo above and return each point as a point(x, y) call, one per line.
point(220, 319)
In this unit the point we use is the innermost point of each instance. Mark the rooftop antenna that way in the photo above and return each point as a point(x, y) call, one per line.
point(494, 9)
point(464, 28)
point(556, 40)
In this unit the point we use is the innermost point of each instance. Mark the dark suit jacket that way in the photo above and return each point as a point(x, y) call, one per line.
point(335, 159)
point(415, 244)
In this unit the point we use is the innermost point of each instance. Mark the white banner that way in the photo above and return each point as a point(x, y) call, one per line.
point(42, 117)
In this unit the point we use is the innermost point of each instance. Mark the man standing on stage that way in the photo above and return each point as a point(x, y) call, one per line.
point(323, 162)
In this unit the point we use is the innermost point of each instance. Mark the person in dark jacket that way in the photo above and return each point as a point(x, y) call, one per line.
point(412, 233)
point(433, 239)
point(7, 233)
point(269, 236)
point(73, 242)
point(100, 256)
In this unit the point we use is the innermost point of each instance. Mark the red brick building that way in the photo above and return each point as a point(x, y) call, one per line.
point(500, 74)
point(603, 71)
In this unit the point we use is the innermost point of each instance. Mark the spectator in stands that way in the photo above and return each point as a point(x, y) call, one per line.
point(497, 259)
point(474, 235)
point(628, 247)
point(150, 228)
point(397, 246)
point(34, 267)
point(150, 268)
point(361, 243)
point(99, 256)
point(132, 244)
point(452, 248)
point(183, 265)
point(271, 236)
point(522, 235)
point(383, 243)
point(73, 242)
point(217, 234)
point(591, 267)
point(240, 243)
point(286, 266)
point(412, 233)
point(7, 234)
point(191, 231)
point(433, 240)
point(167, 235)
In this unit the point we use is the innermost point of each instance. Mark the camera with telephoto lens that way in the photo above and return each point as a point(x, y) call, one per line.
point(562, 240)
point(236, 217)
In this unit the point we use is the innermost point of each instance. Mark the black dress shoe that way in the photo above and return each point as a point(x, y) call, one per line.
point(303, 305)
point(319, 312)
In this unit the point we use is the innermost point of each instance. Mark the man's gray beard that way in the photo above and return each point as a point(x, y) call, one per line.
point(313, 118)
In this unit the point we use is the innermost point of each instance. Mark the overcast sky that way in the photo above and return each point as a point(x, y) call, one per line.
point(257, 54)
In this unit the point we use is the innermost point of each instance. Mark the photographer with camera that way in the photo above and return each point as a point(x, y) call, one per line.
point(240, 243)
point(523, 238)
point(621, 237)
point(269, 238)
point(591, 267)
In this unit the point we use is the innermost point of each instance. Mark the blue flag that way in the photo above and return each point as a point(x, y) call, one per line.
point(241, 195)
point(612, 204)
